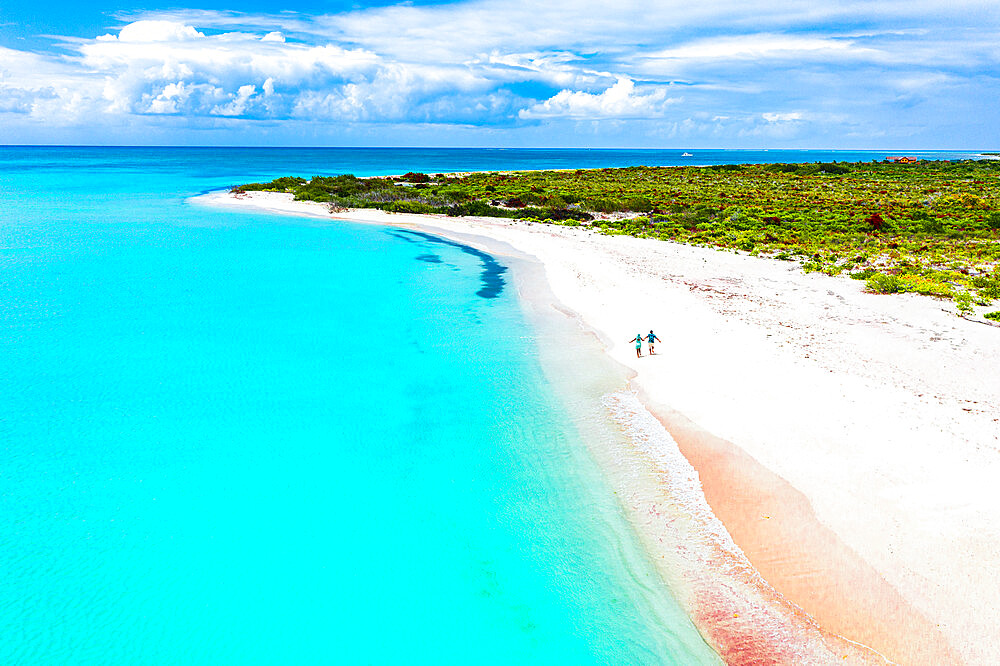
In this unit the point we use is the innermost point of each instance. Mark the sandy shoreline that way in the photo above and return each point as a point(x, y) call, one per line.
point(848, 442)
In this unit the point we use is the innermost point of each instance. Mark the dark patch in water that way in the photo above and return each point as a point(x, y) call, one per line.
point(401, 237)
point(429, 258)
point(491, 276)
point(213, 190)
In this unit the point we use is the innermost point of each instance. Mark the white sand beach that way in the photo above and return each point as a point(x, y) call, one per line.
point(848, 442)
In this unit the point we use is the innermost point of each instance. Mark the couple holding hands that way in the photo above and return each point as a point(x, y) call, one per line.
point(638, 340)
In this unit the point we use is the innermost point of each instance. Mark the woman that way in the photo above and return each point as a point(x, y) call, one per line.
point(638, 344)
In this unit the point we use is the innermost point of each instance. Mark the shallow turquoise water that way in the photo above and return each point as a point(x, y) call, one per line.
point(235, 438)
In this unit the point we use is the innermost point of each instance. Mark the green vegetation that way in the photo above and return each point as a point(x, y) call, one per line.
point(930, 228)
point(995, 316)
point(414, 193)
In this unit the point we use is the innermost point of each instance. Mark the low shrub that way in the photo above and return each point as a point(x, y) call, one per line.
point(880, 283)
point(309, 193)
point(409, 207)
point(479, 208)
point(812, 266)
point(932, 225)
point(963, 302)
point(282, 184)
point(875, 222)
point(833, 168)
point(602, 205)
point(989, 287)
point(639, 204)
point(995, 316)
point(416, 177)
point(556, 214)
point(919, 284)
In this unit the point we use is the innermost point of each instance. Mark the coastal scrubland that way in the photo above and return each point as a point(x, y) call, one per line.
point(930, 227)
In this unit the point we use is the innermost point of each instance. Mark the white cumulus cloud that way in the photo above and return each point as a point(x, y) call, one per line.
point(622, 100)
point(772, 117)
point(153, 31)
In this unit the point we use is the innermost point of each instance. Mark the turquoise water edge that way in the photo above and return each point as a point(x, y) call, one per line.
point(242, 438)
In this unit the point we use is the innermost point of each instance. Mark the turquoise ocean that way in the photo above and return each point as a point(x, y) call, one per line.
point(240, 438)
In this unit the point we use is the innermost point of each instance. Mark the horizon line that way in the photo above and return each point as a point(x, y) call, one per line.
point(294, 147)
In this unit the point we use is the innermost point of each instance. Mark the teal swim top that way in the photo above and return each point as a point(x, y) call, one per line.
point(638, 342)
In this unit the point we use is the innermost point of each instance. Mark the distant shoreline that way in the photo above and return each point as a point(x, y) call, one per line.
point(900, 225)
point(798, 391)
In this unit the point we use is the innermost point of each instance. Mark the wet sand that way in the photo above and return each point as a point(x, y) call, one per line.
point(794, 552)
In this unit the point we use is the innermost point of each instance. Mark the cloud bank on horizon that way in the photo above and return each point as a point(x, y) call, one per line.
point(841, 74)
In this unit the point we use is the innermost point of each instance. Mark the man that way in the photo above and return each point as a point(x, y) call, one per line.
point(651, 338)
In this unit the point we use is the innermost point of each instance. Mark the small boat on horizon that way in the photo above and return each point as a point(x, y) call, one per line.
point(687, 155)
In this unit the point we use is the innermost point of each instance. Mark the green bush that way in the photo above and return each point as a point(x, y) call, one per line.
point(282, 184)
point(880, 283)
point(602, 205)
point(639, 205)
point(479, 208)
point(309, 193)
point(963, 302)
point(342, 186)
point(931, 225)
point(833, 168)
point(812, 266)
point(995, 316)
point(409, 207)
point(416, 177)
point(989, 287)
point(928, 286)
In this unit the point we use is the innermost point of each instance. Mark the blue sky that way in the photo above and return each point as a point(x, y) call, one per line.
point(916, 74)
